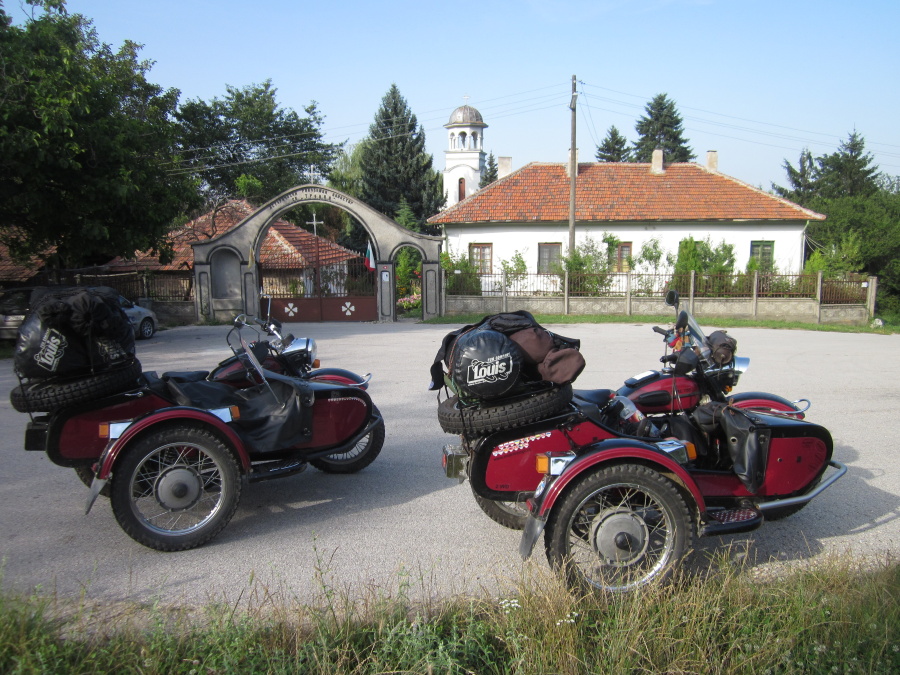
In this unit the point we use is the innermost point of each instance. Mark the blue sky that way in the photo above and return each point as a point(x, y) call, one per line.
point(757, 81)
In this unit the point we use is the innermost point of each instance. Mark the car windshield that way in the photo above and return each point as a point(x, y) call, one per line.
point(14, 302)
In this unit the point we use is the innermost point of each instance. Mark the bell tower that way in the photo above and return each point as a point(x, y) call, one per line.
point(464, 157)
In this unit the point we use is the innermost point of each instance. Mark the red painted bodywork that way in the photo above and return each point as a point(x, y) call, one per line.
point(338, 415)
point(687, 394)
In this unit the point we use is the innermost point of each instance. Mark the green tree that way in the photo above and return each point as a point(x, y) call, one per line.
point(395, 165)
point(848, 172)
point(614, 147)
point(802, 180)
point(490, 172)
point(713, 266)
point(590, 265)
point(247, 133)
point(661, 127)
point(86, 144)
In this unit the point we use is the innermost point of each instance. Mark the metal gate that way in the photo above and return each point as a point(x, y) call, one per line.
point(342, 291)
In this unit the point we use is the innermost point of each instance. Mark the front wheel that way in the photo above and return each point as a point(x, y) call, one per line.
point(356, 458)
point(619, 528)
point(175, 488)
point(146, 329)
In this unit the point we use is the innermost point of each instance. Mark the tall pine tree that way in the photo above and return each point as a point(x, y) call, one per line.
point(394, 164)
point(802, 179)
point(849, 172)
point(614, 147)
point(490, 172)
point(661, 127)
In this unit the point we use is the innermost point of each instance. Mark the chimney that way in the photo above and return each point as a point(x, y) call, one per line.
point(656, 165)
point(569, 163)
point(712, 160)
point(504, 166)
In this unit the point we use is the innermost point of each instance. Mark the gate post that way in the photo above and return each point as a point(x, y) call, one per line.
point(431, 289)
point(387, 303)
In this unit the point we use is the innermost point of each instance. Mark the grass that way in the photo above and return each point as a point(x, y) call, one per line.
point(831, 618)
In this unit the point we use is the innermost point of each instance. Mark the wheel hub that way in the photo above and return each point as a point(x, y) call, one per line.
point(619, 536)
point(178, 488)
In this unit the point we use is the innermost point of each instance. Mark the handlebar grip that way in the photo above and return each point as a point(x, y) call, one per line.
point(661, 331)
point(671, 358)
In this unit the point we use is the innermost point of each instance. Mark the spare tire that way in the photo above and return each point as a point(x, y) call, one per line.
point(50, 395)
point(485, 419)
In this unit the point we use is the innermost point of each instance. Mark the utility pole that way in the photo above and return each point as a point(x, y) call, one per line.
point(573, 167)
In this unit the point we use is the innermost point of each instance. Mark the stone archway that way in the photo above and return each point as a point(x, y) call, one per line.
point(240, 284)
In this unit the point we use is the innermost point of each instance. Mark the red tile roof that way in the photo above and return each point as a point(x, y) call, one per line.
point(620, 192)
point(285, 245)
point(14, 272)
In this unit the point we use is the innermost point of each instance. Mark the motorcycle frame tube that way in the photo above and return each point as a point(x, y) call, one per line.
point(180, 414)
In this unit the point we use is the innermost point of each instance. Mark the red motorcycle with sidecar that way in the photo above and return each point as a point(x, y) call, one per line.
point(173, 452)
point(619, 496)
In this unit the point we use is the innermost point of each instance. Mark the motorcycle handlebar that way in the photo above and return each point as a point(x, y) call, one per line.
point(670, 358)
point(661, 331)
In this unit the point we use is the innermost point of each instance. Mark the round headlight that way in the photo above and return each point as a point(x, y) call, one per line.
point(312, 348)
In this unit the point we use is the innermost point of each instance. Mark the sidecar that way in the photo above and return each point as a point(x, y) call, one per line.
point(173, 452)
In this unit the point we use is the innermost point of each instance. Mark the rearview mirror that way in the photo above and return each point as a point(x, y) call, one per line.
point(672, 298)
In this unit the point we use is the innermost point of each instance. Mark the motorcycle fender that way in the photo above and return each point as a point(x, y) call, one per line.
point(615, 451)
point(760, 399)
point(115, 446)
point(339, 376)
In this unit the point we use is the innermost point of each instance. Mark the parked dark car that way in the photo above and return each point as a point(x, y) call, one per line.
point(15, 303)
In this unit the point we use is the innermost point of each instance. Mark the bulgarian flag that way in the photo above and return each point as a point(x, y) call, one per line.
point(370, 258)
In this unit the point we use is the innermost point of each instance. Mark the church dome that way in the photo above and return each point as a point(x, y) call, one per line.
point(466, 115)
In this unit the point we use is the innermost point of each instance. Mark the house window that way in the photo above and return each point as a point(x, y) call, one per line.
point(480, 257)
point(623, 253)
point(462, 190)
point(764, 252)
point(549, 256)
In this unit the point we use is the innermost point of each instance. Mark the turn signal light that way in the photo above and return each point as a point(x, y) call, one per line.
point(104, 430)
point(316, 363)
point(691, 449)
point(542, 464)
point(235, 412)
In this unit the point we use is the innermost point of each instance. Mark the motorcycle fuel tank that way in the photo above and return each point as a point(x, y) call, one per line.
point(652, 392)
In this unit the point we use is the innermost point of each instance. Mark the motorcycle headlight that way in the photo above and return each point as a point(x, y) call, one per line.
point(301, 352)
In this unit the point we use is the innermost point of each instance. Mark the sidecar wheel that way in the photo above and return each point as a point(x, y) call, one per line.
point(508, 514)
point(485, 419)
point(176, 488)
point(619, 528)
point(358, 457)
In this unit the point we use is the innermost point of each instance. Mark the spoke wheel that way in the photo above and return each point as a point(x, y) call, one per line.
point(619, 528)
point(356, 458)
point(176, 488)
point(508, 514)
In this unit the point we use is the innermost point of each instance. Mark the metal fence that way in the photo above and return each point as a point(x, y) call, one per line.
point(162, 286)
point(849, 289)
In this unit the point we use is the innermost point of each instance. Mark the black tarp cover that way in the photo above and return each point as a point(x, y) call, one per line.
point(73, 331)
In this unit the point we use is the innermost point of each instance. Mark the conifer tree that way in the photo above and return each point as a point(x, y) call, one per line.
point(490, 172)
point(394, 164)
point(614, 147)
point(661, 127)
point(849, 171)
point(802, 179)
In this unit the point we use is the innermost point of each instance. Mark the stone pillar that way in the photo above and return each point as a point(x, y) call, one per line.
point(387, 302)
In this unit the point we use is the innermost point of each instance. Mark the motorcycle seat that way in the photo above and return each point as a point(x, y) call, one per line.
point(599, 397)
point(185, 375)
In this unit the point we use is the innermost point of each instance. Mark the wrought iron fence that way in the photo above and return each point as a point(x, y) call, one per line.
point(350, 278)
point(162, 286)
point(851, 289)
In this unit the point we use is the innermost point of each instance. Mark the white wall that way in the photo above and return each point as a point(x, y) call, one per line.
point(506, 239)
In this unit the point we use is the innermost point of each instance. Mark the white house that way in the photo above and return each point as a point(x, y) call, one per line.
point(527, 211)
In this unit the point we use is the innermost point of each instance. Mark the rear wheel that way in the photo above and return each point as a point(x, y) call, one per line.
point(146, 329)
point(508, 514)
point(619, 528)
point(175, 488)
point(358, 457)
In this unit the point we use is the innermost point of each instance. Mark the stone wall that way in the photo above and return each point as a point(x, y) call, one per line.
point(774, 309)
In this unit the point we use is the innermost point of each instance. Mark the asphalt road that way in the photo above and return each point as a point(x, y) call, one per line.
point(400, 524)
